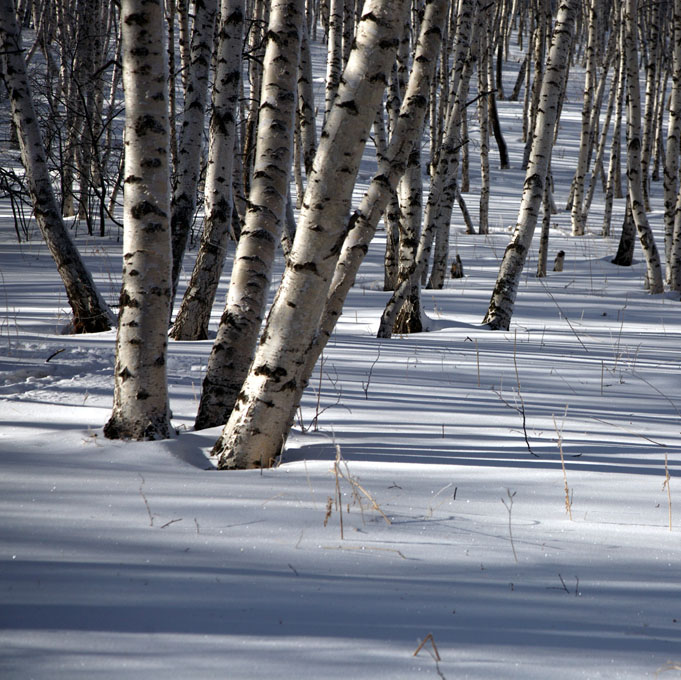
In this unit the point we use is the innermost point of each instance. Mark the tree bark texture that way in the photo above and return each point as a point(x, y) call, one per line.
point(141, 409)
point(671, 165)
point(191, 133)
point(408, 130)
point(262, 417)
point(500, 310)
point(635, 177)
point(193, 316)
point(252, 271)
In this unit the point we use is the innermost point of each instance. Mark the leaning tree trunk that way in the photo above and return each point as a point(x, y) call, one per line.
point(409, 127)
point(90, 313)
point(193, 316)
point(263, 414)
point(141, 409)
point(500, 310)
point(635, 177)
point(252, 271)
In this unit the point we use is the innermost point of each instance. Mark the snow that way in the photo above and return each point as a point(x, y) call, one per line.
point(138, 560)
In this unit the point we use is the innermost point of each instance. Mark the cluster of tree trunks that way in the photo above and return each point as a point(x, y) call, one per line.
point(402, 68)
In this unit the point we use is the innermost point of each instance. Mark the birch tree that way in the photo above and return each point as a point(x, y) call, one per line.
point(252, 271)
point(193, 316)
point(263, 414)
point(634, 169)
point(90, 313)
point(407, 132)
point(577, 214)
point(191, 134)
point(140, 409)
point(671, 164)
point(500, 310)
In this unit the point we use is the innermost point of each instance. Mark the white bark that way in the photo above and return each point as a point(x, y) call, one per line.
point(191, 133)
point(613, 187)
point(193, 316)
point(503, 297)
point(484, 47)
point(306, 107)
point(577, 214)
point(671, 166)
point(140, 409)
point(252, 271)
point(90, 312)
point(444, 182)
point(334, 59)
point(635, 177)
point(262, 416)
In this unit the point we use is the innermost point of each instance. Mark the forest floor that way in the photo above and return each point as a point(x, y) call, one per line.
point(506, 510)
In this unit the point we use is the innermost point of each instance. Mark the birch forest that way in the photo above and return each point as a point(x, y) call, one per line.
point(262, 145)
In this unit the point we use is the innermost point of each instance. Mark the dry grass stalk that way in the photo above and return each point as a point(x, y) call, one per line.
point(666, 484)
point(341, 472)
point(428, 638)
point(568, 502)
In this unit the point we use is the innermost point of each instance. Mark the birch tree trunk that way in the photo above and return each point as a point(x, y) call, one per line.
point(90, 313)
point(408, 130)
point(306, 108)
point(634, 170)
point(410, 192)
point(334, 59)
point(577, 214)
point(444, 184)
point(263, 414)
point(671, 164)
point(613, 188)
point(141, 409)
point(484, 47)
point(252, 271)
point(500, 310)
point(191, 133)
point(193, 316)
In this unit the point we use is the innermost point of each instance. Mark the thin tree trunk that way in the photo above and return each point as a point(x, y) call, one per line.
point(263, 414)
point(306, 107)
point(613, 188)
point(671, 164)
point(90, 313)
point(141, 409)
point(634, 170)
point(577, 199)
point(500, 310)
point(334, 60)
point(193, 316)
point(484, 60)
point(410, 191)
point(543, 255)
point(191, 135)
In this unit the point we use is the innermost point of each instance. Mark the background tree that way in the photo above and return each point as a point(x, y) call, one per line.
point(500, 310)
point(90, 313)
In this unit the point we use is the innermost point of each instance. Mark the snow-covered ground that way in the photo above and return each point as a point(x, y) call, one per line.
point(139, 560)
